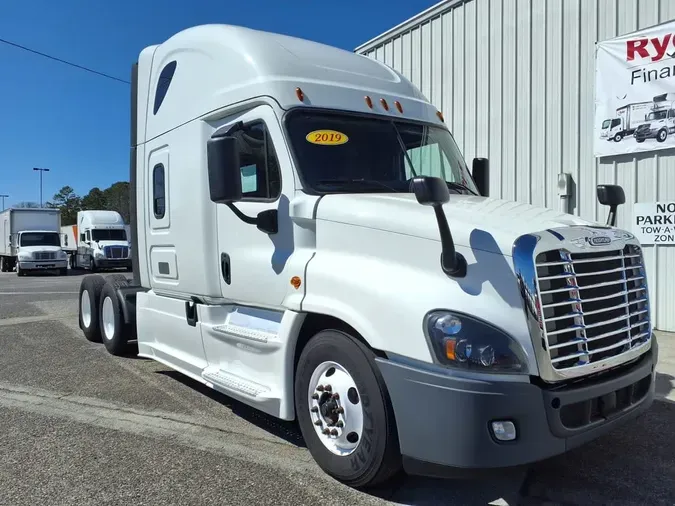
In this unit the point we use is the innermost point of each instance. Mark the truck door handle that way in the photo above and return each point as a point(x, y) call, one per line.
point(225, 267)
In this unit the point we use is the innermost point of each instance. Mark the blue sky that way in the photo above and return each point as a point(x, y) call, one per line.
point(76, 123)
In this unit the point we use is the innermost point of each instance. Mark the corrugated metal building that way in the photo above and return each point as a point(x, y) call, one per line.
point(515, 80)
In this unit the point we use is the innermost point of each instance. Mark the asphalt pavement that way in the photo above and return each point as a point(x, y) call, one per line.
point(79, 426)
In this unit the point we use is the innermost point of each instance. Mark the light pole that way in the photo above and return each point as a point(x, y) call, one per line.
point(41, 171)
point(3, 200)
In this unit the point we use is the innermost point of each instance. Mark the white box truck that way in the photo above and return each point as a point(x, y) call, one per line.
point(628, 118)
point(98, 241)
point(30, 241)
point(289, 253)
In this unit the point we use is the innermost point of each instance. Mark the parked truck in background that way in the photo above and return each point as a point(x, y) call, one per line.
point(30, 241)
point(98, 241)
point(291, 251)
point(660, 121)
point(628, 118)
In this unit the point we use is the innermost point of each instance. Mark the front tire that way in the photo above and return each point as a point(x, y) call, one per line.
point(339, 389)
point(90, 293)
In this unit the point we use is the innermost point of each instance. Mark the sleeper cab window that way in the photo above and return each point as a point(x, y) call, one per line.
point(260, 175)
point(163, 82)
point(158, 191)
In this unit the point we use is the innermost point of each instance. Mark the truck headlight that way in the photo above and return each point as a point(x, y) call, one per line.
point(24, 257)
point(98, 253)
point(464, 342)
point(63, 254)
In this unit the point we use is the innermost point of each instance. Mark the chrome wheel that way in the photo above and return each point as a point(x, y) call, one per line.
point(108, 318)
point(335, 408)
point(85, 309)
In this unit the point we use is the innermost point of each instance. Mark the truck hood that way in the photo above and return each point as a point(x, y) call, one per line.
point(487, 224)
point(33, 249)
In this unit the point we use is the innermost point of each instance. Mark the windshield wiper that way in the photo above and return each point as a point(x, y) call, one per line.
point(358, 182)
point(460, 186)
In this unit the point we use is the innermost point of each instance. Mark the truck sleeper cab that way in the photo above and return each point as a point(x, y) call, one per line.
point(308, 239)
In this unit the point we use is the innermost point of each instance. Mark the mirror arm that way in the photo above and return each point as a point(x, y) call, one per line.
point(246, 219)
point(611, 217)
point(452, 262)
point(266, 221)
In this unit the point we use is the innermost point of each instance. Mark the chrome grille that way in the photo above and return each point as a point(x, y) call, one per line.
point(116, 251)
point(44, 255)
point(593, 305)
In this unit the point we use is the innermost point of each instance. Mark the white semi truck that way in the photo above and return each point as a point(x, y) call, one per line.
point(98, 241)
point(290, 252)
point(660, 121)
point(30, 241)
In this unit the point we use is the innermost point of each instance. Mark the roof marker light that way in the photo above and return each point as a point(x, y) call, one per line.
point(440, 116)
point(384, 104)
point(369, 102)
point(398, 106)
point(300, 94)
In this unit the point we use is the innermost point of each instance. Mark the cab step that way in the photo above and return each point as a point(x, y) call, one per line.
point(236, 384)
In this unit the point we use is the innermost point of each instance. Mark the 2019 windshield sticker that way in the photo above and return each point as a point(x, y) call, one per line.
point(326, 137)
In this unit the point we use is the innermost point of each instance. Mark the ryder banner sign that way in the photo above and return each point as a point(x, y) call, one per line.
point(635, 92)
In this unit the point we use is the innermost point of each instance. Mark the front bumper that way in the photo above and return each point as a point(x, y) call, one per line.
point(42, 265)
point(444, 422)
point(645, 134)
point(110, 263)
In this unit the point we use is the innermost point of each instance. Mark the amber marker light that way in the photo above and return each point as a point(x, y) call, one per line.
point(440, 116)
point(300, 94)
point(296, 282)
point(369, 102)
point(384, 104)
point(450, 349)
point(398, 106)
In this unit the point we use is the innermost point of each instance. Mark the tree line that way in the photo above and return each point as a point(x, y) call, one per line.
point(113, 198)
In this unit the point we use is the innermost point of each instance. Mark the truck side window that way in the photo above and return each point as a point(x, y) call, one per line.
point(158, 191)
point(165, 77)
point(82, 237)
point(87, 236)
point(429, 160)
point(260, 175)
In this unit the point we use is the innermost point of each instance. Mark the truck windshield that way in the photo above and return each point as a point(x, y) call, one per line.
point(40, 239)
point(656, 115)
point(338, 153)
point(606, 123)
point(109, 235)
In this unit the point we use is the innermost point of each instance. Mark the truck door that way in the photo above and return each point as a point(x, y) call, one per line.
point(253, 264)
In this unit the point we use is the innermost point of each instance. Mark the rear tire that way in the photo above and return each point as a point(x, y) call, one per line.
point(363, 451)
point(90, 293)
point(115, 332)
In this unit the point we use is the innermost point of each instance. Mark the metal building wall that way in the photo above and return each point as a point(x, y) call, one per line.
point(515, 80)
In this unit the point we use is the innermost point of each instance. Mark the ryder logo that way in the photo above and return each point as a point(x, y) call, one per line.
point(655, 48)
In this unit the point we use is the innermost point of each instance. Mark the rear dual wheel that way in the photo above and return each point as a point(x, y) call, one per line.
point(344, 411)
point(101, 316)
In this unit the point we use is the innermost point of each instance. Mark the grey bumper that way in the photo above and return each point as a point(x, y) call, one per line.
point(112, 262)
point(43, 265)
point(444, 422)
